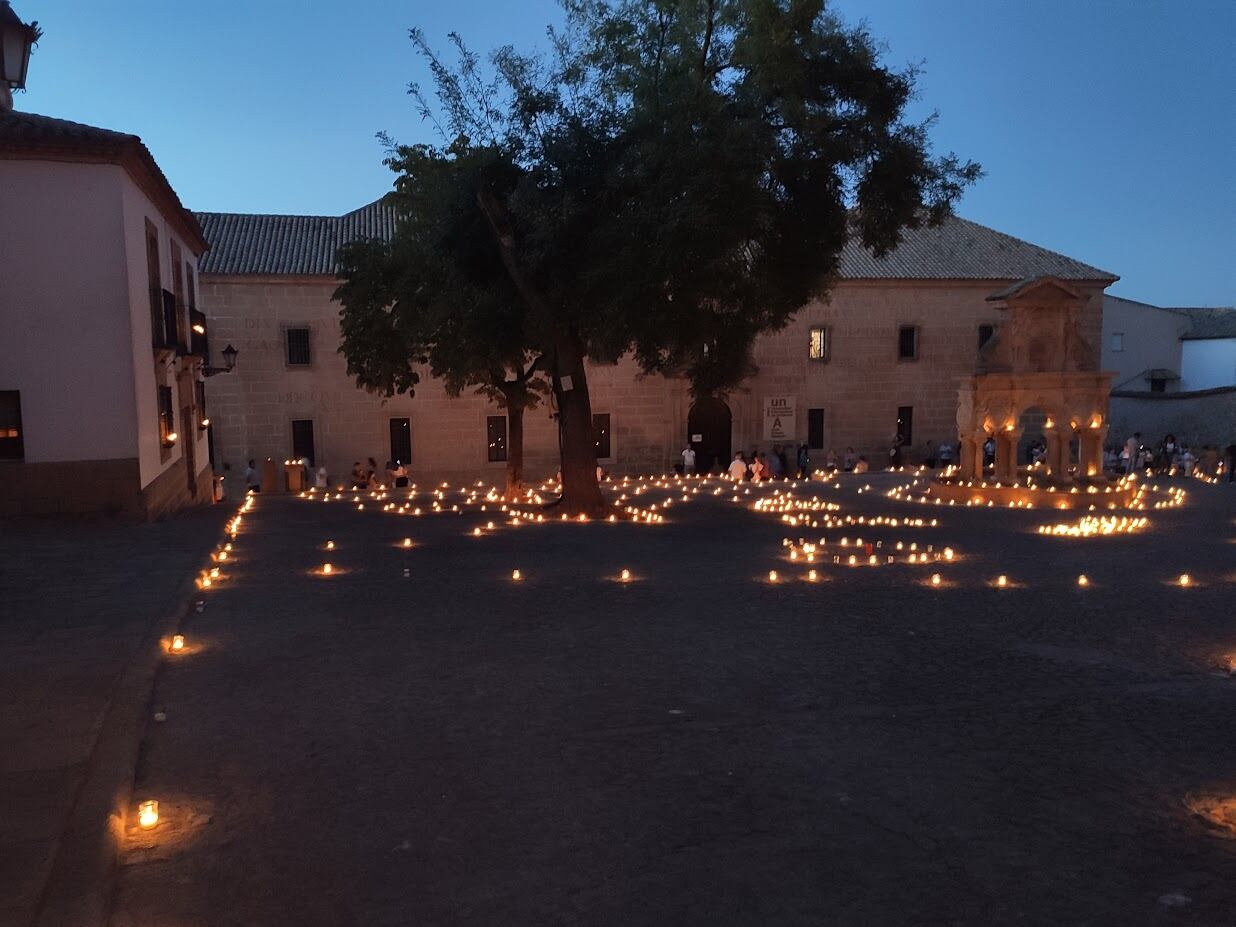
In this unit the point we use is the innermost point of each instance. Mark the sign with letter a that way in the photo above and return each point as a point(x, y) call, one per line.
point(779, 418)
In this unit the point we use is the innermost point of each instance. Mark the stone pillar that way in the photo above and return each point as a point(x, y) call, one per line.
point(1090, 452)
point(1006, 456)
point(1053, 452)
point(971, 464)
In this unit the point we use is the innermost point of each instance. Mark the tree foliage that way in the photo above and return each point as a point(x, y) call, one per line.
point(671, 179)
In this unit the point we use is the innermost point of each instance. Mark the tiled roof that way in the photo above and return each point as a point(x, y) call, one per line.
point(29, 135)
point(1209, 323)
point(296, 245)
point(958, 249)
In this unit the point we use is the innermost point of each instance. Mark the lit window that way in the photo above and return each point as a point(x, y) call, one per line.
point(820, 345)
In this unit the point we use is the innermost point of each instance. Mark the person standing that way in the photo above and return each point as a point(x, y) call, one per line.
point(931, 454)
point(776, 468)
point(253, 482)
point(989, 452)
point(945, 454)
point(804, 462)
point(1132, 449)
point(688, 460)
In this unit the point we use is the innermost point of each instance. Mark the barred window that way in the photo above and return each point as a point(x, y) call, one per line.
point(298, 347)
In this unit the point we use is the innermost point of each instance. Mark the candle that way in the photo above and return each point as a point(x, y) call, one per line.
point(178, 642)
point(148, 814)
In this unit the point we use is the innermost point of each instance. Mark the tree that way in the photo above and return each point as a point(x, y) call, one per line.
point(402, 310)
point(674, 178)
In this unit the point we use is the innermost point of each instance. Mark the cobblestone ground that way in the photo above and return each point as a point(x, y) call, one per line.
point(77, 602)
point(699, 745)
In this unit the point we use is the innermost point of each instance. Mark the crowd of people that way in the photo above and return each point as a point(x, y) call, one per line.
point(1169, 457)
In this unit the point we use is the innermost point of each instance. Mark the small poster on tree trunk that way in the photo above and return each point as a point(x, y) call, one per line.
point(778, 418)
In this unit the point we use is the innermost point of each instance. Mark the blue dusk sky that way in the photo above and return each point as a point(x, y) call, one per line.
point(1107, 129)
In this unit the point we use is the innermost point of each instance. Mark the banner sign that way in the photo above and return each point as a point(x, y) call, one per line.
point(779, 418)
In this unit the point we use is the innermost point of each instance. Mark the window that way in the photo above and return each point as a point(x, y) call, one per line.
point(985, 333)
point(298, 347)
point(157, 329)
point(10, 425)
point(495, 437)
point(401, 440)
point(907, 342)
point(302, 439)
point(821, 347)
point(178, 291)
point(600, 434)
point(199, 398)
point(1158, 385)
point(905, 424)
point(167, 417)
point(815, 429)
point(1117, 341)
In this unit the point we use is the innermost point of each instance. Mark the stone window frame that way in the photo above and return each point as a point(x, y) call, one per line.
point(918, 342)
point(287, 327)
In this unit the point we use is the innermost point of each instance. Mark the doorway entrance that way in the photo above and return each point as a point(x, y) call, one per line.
point(709, 425)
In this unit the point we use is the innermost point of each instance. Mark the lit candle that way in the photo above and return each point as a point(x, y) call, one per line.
point(1185, 579)
point(1002, 580)
point(935, 579)
point(407, 542)
point(178, 642)
point(772, 576)
point(1083, 580)
point(326, 569)
point(626, 576)
point(516, 575)
point(148, 814)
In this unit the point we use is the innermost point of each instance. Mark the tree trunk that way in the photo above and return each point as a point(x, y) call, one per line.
point(580, 492)
point(515, 450)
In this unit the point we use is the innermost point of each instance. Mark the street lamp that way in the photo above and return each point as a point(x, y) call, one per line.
point(16, 40)
point(229, 363)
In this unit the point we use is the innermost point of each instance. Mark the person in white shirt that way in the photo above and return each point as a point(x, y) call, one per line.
point(738, 468)
point(688, 460)
point(861, 466)
point(319, 478)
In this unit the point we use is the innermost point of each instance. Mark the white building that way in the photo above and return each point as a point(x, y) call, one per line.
point(102, 402)
point(1175, 371)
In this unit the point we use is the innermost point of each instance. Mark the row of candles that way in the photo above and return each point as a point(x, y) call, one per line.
point(148, 808)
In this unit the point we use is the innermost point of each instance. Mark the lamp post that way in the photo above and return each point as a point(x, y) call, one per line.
point(16, 40)
point(229, 363)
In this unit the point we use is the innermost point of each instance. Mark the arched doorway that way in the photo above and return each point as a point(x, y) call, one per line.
point(708, 429)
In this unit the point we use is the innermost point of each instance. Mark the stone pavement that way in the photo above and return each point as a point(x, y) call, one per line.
point(81, 603)
point(698, 746)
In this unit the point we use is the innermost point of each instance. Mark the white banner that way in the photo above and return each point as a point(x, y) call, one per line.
point(779, 418)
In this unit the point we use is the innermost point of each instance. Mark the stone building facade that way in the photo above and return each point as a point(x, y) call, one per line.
point(883, 354)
